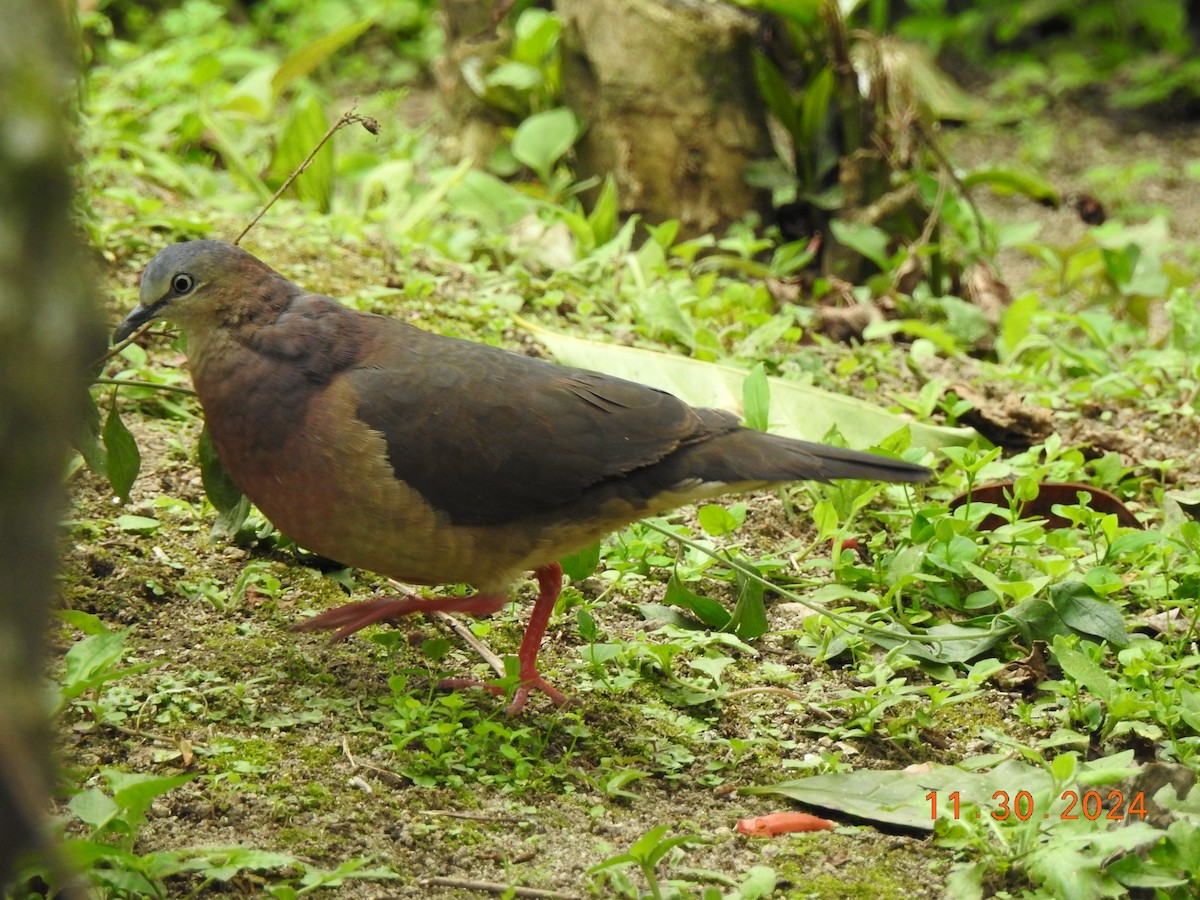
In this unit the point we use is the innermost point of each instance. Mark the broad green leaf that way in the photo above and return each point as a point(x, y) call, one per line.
point(1086, 614)
point(231, 504)
point(804, 14)
point(717, 520)
point(760, 883)
point(756, 398)
point(535, 35)
point(778, 95)
point(1016, 322)
point(84, 621)
point(798, 410)
point(311, 55)
point(122, 460)
point(867, 240)
point(93, 808)
point(134, 792)
point(136, 524)
point(962, 643)
point(579, 566)
point(516, 75)
point(253, 95)
point(92, 661)
point(543, 138)
point(813, 146)
point(430, 200)
point(901, 797)
point(304, 130)
point(496, 205)
point(814, 109)
point(222, 863)
point(938, 92)
point(709, 611)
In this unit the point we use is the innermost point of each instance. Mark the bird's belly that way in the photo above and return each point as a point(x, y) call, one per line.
point(333, 492)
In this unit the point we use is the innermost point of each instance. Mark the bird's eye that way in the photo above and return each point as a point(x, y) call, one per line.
point(182, 283)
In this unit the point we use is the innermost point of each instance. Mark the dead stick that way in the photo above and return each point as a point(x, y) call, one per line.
point(347, 117)
point(465, 633)
point(492, 887)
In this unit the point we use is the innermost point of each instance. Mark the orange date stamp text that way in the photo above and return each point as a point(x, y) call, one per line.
point(1107, 805)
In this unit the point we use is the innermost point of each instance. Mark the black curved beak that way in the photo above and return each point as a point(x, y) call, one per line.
point(138, 316)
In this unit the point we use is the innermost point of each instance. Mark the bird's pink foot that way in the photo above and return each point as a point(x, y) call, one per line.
point(352, 617)
point(528, 684)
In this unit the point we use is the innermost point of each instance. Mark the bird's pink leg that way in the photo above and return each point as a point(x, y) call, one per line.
point(549, 579)
point(352, 617)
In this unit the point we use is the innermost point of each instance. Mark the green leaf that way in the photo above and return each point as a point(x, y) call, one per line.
point(305, 128)
point(760, 883)
point(709, 611)
point(1014, 181)
point(1080, 668)
point(799, 410)
point(222, 863)
point(136, 524)
point(231, 155)
point(1086, 614)
point(756, 398)
point(516, 75)
point(311, 55)
point(496, 205)
point(84, 621)
point(867, 240)
point(134, 792)
point(92, 661)
point(435, 649)
point(87, 440)
point(749, 618)
point(900, 797)
point(542, 139)
point(1015, 325)
point(93, 808)
point(814, 108)
point(939, 93)
point(604, 215)
point(778, 95)
point(579, 566)
point(231, 504)
point(122, 460)
point(717, 520)
point(535, 35)
point(431, 199)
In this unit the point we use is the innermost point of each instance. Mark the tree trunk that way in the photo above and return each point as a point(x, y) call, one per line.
point(673, 111)
point(47, 325)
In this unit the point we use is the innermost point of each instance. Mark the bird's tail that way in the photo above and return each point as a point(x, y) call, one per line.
point(755, 456)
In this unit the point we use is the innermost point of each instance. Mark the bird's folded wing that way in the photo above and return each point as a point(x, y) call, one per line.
point(489, 436)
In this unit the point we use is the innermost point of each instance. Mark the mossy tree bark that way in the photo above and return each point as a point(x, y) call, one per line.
point(46, 328)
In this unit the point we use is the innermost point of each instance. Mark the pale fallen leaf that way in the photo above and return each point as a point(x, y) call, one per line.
point(797, 410)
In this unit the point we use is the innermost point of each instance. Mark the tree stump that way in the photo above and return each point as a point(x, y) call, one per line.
point(673, 111)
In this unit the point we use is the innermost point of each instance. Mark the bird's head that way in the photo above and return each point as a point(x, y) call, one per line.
point(190, 283)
